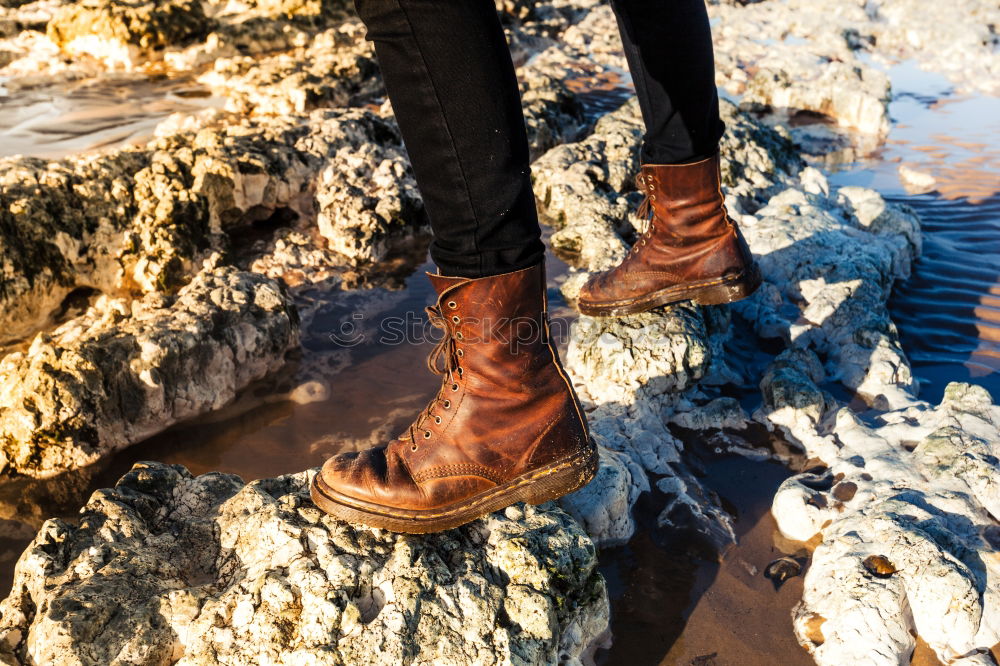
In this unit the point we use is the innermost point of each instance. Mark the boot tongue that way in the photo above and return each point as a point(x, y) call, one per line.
point(443, 282)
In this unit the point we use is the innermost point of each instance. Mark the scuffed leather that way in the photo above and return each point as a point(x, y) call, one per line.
point(511, 409)
point(690, 239)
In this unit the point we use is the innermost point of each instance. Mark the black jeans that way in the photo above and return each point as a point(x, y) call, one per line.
point(450, 79)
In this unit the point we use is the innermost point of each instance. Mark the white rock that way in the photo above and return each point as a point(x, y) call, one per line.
point(167, 568)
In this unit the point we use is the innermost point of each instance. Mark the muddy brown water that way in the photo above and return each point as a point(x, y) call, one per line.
point(672, 602)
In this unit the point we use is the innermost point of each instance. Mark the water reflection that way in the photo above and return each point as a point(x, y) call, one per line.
point(52, 121)
point(948, 312)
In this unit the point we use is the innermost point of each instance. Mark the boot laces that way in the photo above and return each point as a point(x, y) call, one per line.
point(644, 212)
point(445, 350)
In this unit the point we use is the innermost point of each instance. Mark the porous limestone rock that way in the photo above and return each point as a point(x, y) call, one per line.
point(552, 113)
point(116, 223)
point(907, 521)
point(123, 32)
point(186, 34)
point(834, 262)
point(343, 169)
point(802, 59)
point(335, 68)
point(140, 220)
point(123, 371)
point(580, 188)
point(630, 372)
point(604, 506)
point(853, 94)
point(365, 194)
point(661, 351)
point(806, 37)
point(957, 41)
point(169, 568)
point(902, 510)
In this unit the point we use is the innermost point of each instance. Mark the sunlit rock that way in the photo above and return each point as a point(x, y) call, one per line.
point(658, 352)
point(834, 260)
point(604, 506)
point(168, 568)
point(335, 68)
point(582, 189)
point(123, 33)
point(854, 95)
point(122, 371)
point(141, 220)
point(122, 223)
point(904, 516)
point(915, 181)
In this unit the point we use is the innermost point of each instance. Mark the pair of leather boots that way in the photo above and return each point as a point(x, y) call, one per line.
point(506, 425)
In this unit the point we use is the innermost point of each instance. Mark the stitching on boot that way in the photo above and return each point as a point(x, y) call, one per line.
point(457, 469)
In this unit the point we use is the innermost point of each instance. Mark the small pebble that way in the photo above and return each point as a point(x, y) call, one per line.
point(782, 569)
point(879, 566)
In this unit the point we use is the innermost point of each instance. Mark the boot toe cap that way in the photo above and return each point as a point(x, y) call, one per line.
point(372, 476)
point(593, 289)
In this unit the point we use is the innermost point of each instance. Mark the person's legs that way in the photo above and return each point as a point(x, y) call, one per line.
point(505, 425)
point(450, 79)
point(668, 45)
point(691, 248)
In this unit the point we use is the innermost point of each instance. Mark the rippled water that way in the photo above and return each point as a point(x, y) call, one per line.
point(55, 120)
point(672, 603)
point(948, 312)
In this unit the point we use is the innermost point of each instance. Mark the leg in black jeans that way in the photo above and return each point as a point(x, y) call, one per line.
point(451, 81)
point(668, 45)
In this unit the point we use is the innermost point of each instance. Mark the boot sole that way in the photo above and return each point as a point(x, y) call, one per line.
point(541, 485)
point(717, 291)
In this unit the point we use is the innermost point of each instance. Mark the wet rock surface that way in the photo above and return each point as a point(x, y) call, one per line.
point(170, 568)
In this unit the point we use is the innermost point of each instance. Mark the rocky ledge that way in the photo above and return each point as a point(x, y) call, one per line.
point(123, 371)
point(168, 568)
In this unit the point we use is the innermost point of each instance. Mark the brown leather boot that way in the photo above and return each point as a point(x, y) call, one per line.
point(691, 250)
point(505, 426)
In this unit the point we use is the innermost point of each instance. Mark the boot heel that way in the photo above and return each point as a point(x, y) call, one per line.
point(564, 481)
point(737, 289)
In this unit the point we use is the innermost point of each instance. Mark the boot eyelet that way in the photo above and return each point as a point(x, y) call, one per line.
point(437, 420)
point(447, 404)
point(413, 448)
point(452, 304)
point(459, 371)
point(459, 335)
point(427, 434)
point(454, 387)
point(456, 319)
point(459, 353)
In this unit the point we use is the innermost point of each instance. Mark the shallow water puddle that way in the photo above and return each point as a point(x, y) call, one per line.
point(56, 120)
point(674, 604)
point(948, 312)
